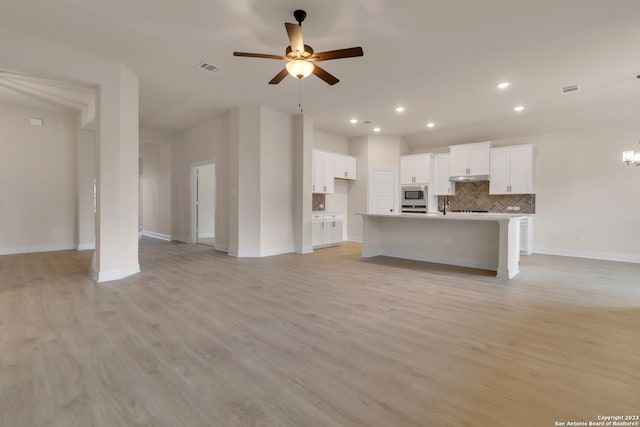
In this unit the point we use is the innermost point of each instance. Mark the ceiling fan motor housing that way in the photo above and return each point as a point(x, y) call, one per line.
point(299, 14)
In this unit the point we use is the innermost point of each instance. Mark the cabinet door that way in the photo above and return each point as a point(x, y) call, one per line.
point(340, 166)
point(328, 173)
point(318, 170)
point(499, 173)
point(350, 167)
point(422, 169)
point(317, 233)
point(336, 231)
point(406, 170)
point(458, 161)
point(521, 170)
point(441, 184)
point(479, 159)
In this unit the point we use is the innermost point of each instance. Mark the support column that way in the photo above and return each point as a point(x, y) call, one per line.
point(244, 182)
point(117, 178)
point(303, 169)
point(509, 248)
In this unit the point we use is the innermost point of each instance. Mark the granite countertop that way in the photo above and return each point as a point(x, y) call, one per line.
point(451, 216)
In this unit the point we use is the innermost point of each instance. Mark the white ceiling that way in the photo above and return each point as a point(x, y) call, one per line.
point(48, 94)
point(439, 59)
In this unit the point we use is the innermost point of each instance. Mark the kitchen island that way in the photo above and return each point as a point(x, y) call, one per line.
point(477, 240)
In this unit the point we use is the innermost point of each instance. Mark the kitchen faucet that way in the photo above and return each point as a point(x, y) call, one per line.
point(444, 205)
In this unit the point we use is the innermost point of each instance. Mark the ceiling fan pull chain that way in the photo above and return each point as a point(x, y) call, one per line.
point(300, 95)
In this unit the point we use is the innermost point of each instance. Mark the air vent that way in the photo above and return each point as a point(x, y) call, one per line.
point(207, 66)
point(569, 89)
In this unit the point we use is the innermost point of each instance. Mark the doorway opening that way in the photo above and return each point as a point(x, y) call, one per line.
point(203, 203)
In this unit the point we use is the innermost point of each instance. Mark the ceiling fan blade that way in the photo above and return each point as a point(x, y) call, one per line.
point(328, 78)
point(338, 54)
point(294, 31)
point(259, 55)
point(279, 77)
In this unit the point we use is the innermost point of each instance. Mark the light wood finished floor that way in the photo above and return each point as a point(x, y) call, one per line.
point(326, 339)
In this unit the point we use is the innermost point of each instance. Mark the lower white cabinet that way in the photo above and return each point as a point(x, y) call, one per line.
point(326, 229)
point(526, 235)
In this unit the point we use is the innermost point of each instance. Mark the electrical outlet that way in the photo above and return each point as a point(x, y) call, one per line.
point(516, 208)
point(509, 208)
point(581, 238)
point(448, 241)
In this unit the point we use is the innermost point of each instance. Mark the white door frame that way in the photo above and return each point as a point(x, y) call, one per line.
point(395, 185)
point(194, 195)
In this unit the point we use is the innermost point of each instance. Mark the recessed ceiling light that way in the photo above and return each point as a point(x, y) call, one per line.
point(519, 108)
point(430, 124)
point(353, 121)
point(399, 109)
point(503, 85)
point(376, 129)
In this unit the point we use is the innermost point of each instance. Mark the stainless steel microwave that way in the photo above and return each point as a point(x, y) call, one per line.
point(413, 195)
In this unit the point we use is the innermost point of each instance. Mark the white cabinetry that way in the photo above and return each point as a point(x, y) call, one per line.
point(526, 235)
point(322, 172)
point(416, 169)
point(469, 159)
point(326, 229)
point(441, 184)
point(344, 166)
point(511, 170)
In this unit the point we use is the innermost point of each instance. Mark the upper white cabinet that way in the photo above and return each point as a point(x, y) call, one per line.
point(416, 169)
point(512, 170)
point(323, 166)
point(441, 184)
point(344, 166)
point(470, 159)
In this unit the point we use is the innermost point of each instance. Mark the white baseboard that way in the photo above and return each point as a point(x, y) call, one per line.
point(111, 275)
point(85, 246)
point(181, 239)
point(357, 239)
point(604, 256)
point(33, 249)
point(155, 235)
point(221, 247)
point(207, 235)
point(303, 250)
point(260, 252)
point(276, 251)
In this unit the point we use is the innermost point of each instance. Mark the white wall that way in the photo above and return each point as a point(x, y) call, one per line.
point(587, 200)
point(207, 201)
point(276, 182)
point(372, 152)
point(117, 126)
point(358, 196)
point(205, 142)
point(37, 180)
point(155, 150)
point(86, 217)
point(339, 200)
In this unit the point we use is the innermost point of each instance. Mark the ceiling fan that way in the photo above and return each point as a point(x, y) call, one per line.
point(301, 59)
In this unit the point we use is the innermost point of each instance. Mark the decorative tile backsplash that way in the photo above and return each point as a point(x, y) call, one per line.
point(319, 201)
point(475, 196)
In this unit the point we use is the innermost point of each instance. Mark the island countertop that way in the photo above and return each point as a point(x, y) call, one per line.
point(450, 216)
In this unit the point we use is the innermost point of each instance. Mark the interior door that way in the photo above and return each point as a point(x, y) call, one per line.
point(382, 193)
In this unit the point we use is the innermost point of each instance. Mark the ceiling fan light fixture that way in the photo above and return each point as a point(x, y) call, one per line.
point(299, 68)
